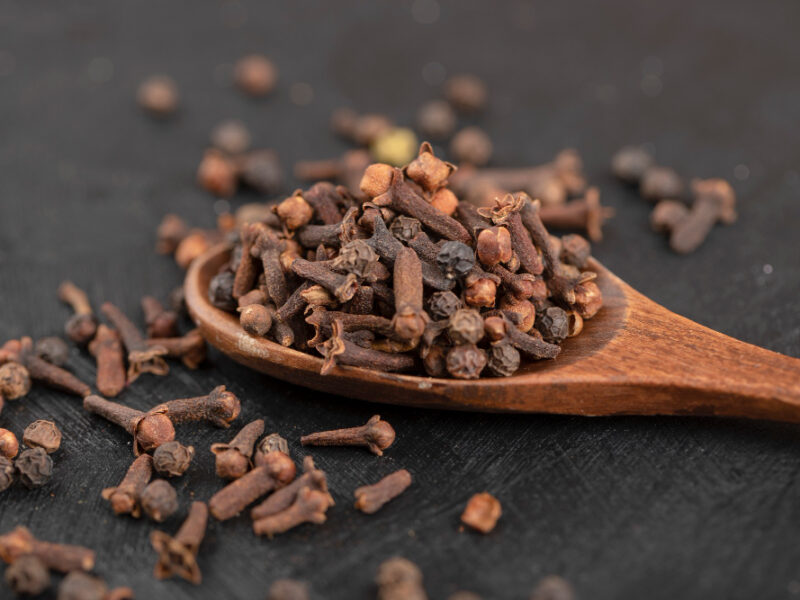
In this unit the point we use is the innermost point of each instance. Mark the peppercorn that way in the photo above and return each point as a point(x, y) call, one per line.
point(436, 120)
point(503, 359)
point(343, 121)
point(466, 361)
point(81, 586)
point(294, 212)
point(35, 467)
point(443, 304)
point(368, 128)
point(262, 171)
point(6, 473)
point(158, 95)
point(524, 310)
point(172, 459)
point(455, 259)
point(465, 326)
point(255, 75)
point(356, 257)
point(376, 179)
point(52, 349)
point(400, 579)
point(27, 576)
point(220, 291)
point(404, 228)
point(255, 319)
point(42, 434)
point(659, 183)
point(159, 500)
point(471, 146)
point(553, 324)
point(467, 93)
point(445, 201)
point(231, 136)
point(9, 445)
point(15, 381)
point(481, 293)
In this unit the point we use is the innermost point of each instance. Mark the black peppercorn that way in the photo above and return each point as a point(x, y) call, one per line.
point(159, 500)
point(465, 326)
point(28, 576)
point(503, 359)
point(455, 259)
point(467, 93)
point(575, 250)
point(220, 291)
point(52, 349)
point(553, 324)
point(172, 459)
point(471, 146)
point(6, 473)
point(405, 228)
point(355, 257)
point(231, 137)
point(444, 304)
point(466, 361)
point(34, 467)
point(15, 381)
point(436, 120)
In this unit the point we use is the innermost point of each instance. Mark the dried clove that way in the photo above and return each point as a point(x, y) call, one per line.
point(107, 350)
point(125, 498)
point(42, 434)
point(178, 555)
point(715, 202)
point(658, 183)
point(283, 498)
point(467, 93)
point(309, 507)
point(376, 435)
point(172, 459)
point(218, 407)
point(276, 469)
point(288, 589)
point(80, 586)
point(553, 587)
point(59, 557)
point(471, 146)
point(170, 233)
point(158, 500)
point(149, 430)
point(340, 351)
point(255, 75)
point(482, 512)
point(630, 163)
point(586, 213)
point(141, 358)
point(436, 119)
point(161, 322)
point(410, 317)
point(233, 458)
point(81, 327)
point(190, 348)
point(158, 95)
point(231, 136)
point(371, 498)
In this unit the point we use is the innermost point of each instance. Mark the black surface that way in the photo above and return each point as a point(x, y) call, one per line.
point(623, 507)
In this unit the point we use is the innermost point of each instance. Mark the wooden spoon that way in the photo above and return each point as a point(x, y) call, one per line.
point(634, 358)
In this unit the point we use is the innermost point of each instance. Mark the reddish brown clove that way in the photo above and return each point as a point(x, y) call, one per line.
point(22, 352)
point(309, 507)
point(170, 233)
point(339, 351)
point(371, 498)
point(377, 435)
point(410, 317)
point(277, 469)
point(482, 512)
point(81, 327)
point(190, 348)
point(507, 212)
point(59, 557)
point(219, 407)
point(149, 430)
point(124, 498)
point(715, 201)
point(233, 458)
point(9, 445)
point(586, 213)
point(141, 358)
point(283, 498)
point(178, 555)
point(107, 350)
point(161, 322)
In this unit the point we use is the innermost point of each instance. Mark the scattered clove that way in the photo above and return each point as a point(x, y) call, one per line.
point(107, 350)
point(377, 435)
point(58, 557)
point(283, 498)
point(255, 75)
point(161, 322)
point(288, 589)
point(371, 498)
point(219, 407)
point(190, 348)
point(81, 327)
point(125, 498)
point(309, 507)
point(178, 555)
point(141, 358)
point(15, 381)
point(27, 576)
point(553, 587)
point(399, 579)
point(233, 458)
point(149, 430)
point(158, 95)
point(53, 350)
point(482, 512)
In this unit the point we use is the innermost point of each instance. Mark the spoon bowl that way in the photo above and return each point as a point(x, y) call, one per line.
point(633, 358)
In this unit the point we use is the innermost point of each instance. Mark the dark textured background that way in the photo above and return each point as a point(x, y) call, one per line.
point(623, 507)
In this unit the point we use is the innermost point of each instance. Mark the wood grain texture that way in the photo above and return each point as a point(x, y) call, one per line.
point(623, 507)
point(634, 358)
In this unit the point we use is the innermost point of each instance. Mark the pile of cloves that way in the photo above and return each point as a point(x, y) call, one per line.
point(406, 277)
point(32, 467)
point(687, 224)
